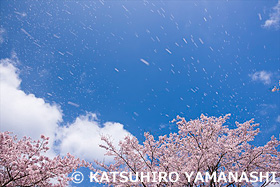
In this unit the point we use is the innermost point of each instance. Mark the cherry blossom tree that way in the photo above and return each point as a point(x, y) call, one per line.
point(23, 163)
point(202, 145)
point(275, 88)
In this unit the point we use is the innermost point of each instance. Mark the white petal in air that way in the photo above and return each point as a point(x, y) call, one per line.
point(168, 51)
point(73, 104)
point(145, 62)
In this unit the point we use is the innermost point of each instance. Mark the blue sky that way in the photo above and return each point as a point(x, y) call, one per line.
point(135, 65)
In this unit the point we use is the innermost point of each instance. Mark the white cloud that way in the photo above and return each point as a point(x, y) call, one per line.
point(274, 19)
point(263, 76)
point(21, 113)
point(82, 138)
point(27, 115)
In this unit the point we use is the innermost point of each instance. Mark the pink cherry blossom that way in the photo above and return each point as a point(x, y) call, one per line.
point(200, 145)
point(23, 163)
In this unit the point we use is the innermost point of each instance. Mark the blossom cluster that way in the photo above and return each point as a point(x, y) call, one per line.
point(24, 163)
point(201, 145)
